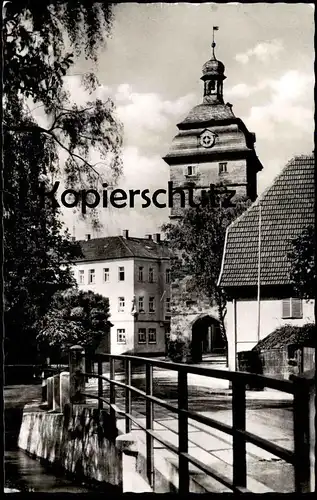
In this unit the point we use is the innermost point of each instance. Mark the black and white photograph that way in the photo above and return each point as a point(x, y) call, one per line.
point(158, 247)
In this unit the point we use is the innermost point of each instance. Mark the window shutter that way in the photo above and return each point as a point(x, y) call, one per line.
point(297, 308)
point(286, 308)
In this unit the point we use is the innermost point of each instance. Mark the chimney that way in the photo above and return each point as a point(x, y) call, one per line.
point(148, 236)
point(87, 237)
point(157, 237)
point(125, 233)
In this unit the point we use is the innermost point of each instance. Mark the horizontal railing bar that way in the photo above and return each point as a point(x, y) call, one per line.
point(270, 382)
point(211, 472)
point(275, 449)
point(154, 399)
point(168, 445)
point(227, 429)
point(92, 396)
point(191, 459)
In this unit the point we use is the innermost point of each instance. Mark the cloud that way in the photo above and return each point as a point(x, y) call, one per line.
point(292, 85)
point(241, 90)
point(284, 125)
point(140, 172)
point(262, 51)
point(286, 112)
point(144, 114)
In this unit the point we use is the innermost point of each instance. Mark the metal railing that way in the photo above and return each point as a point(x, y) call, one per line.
point(299, 388)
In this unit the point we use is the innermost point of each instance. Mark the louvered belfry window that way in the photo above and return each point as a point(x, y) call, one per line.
point(292, 308)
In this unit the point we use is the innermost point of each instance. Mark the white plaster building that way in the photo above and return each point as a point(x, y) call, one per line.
point(134, 273)
point(255, 259)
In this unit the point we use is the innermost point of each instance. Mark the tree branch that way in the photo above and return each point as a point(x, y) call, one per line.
point(37, 128)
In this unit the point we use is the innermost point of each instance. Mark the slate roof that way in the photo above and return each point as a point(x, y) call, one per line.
point(208, 112)
point(118, 247)
point(287, 207)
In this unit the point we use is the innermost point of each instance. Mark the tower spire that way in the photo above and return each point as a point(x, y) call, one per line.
point(213, 76)
point(213, 45)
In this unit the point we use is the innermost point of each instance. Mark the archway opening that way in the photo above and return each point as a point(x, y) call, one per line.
point(207, 338)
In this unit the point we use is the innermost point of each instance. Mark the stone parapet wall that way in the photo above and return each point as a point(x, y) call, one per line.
point(81, 442)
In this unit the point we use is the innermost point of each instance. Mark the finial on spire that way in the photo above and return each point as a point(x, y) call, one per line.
point(213, 45)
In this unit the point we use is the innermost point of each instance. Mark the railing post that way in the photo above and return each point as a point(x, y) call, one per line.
point(112, 393)
point(183, 432)
point(238, 441)
point(149, 424)
point(76, 377)
point(100, 385)
point(128, 405)
point(302, 467)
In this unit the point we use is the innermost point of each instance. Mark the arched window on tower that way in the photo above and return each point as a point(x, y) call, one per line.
point(211, 85)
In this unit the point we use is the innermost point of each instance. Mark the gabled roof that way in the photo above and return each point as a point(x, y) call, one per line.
point(118, 247)
point(287, 207)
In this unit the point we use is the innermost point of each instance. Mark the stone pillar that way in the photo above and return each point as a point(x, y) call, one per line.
point(64, 389)
point(56, 395)
point(76, 377)
point(131, 480)
point(44, 387)
point(50, 393)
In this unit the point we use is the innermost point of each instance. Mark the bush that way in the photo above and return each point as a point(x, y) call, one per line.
point(178, 349)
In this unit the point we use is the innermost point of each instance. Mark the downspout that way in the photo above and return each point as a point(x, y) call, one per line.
point(259, 276)
point(235, 332)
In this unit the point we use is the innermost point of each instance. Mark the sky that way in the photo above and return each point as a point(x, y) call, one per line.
point(151, 68)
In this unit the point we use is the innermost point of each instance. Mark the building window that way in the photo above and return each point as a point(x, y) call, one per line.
point(151, 304)
point(152, 336)
point(191, 170)
point(121, 273)
point(212, 85)
point(292, 308)
point(106, 274)
point(223, 167)
point(151, 275)
point(121, 304)
point(91, 276)
point(168, 305)
point(81, 277)
point(168, 275)
point(141, 304)
point(141, 273)
point(121, 338)
point(142, 336)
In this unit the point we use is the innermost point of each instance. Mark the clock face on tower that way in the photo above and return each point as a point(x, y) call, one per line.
point(207, 139)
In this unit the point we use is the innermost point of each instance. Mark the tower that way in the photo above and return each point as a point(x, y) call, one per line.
point(212, 145)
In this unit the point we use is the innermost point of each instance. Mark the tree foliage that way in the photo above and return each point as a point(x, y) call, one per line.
point(75, 317)
point(35, 63)
point(35, 66)
point(37, 251)
point(198, 241)
point(302, 261)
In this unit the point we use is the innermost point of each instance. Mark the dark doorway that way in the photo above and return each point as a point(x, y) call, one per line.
point(206, 338)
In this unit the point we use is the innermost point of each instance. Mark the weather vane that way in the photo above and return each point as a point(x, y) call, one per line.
point(213, 45)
